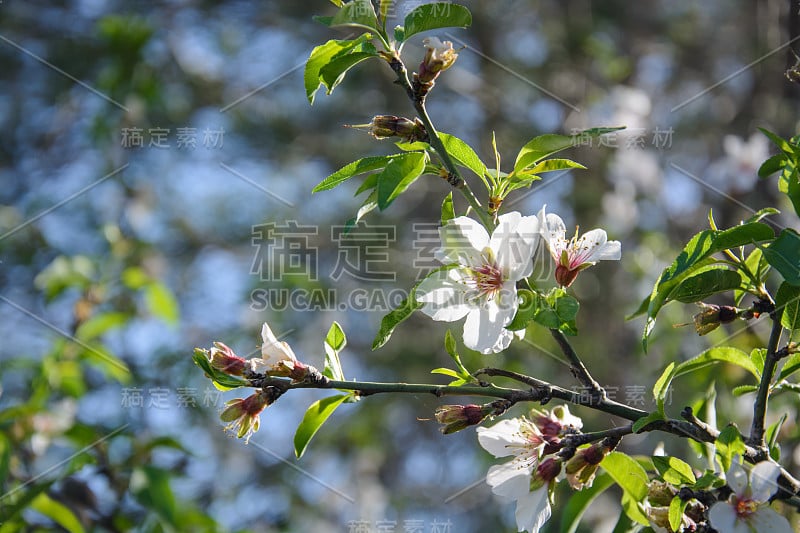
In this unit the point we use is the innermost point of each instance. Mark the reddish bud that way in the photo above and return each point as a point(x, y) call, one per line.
point(565, 276)
point(223, 359)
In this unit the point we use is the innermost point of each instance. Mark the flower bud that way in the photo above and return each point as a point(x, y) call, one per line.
point(439, 57)
point(385, 126)
point(546, 473)
point(556, 423)
point(223, 359)
point(565, 276)
point(243, 414)
point(581, 468)
point(711, 316)
point(457, 417)
point(660, 494)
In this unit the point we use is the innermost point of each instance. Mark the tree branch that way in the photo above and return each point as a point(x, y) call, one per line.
point(577, 367)
point(760, 407)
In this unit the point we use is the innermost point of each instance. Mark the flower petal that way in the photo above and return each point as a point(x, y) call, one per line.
point(509, 480)
point(764, 481)
point(514, 242)
point(463, 240)
point(485, 325)
point(444, 295)
point(500, 439)
point(273, 350)
point(766, 520)
point(533, 510)
point(736, 477)
point(722, 516)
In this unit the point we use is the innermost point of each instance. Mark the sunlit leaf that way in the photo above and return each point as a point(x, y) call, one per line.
point(316, 415)
point(437, 15)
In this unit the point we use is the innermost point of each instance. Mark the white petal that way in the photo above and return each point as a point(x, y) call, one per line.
point(766, 520)
point(722, 516)
point(463, 241)
point(533, 510)
point(587, 247)
point(736, 477)
point(610, 251)
point(485, 326)
point(514, 243)
point(509, 480)
point(764, 480)
point(272, 350)
point(444, 296)
point(566, 418)
point(500, 439)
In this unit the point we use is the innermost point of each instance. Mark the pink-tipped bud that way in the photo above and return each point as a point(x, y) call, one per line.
point(581, 468)
point(546, 473)
point(223, 359)
point(243, 414)
point(565, 276)
point(457, 417)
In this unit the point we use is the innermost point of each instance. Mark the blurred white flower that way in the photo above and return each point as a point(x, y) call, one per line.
point(737, 171)
point(747, 509)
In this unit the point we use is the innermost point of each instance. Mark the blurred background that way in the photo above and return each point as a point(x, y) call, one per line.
point(157, 163)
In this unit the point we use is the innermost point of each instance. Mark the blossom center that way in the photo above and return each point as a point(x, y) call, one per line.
point(488, 279)
point(745, 507)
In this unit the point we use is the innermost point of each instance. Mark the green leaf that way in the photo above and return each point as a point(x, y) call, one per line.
point(627, 473)
point(134, 278)
point(674, 471)
point(786, 302)
point(744, 389)
point(394, 318)
point(646, 420)
point(448, 211)
point(161, 302)
point(696, 255)
point(781, 143)
point(438, 15)
point(321, 56)
point(551, 165)
point(150, 486)
point(446, 372)
point(335, 341)
point(728, 445)
point(676, 509)
point(101, 357)
point(540, 147)
point(526, 310)
point(369, 205)
point(713, 355)
point(633, 510)
point(462, 153)
point(315, 416)
point(700, 286)
point(334, 72)
point(772, 165)
point(358, 13)
point(100, 324)
point(791, 366)
point(567, 308)
point(353, 169)
point(784, 255)
point(398, 175)
point(385, 6)
point(580, 501)
point(221, 380)
point(758, 357)
point(771, 437)
point(57, 512)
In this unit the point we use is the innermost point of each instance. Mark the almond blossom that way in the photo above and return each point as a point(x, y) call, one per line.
point(572, 256)
point(277, 357)
point(747, 510)
point(481, 284)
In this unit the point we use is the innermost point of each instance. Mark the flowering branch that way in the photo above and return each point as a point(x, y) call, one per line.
point(577, 367)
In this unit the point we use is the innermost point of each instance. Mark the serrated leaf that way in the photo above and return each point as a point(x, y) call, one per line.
point(321, 56)
point(335, 341)
point(627, 473)
point(696, 255)
point(646, 420)
point(353, 169)
point(540, 147)
point(791, 366)
point(394, 318)
point(728, 445)
point(316, 415)
point(448, 211)
point(784, 255)
point(700, 286)
point(359, 14)
point(743, 389)
point(567, 308)
point(398, 175)
point(526, 310)
point(437, 15)
point(676, 509)
point(551, 165)
point(462, 153)
point(772, 165)
point(674, 471)
point(780, 142)
point(758, 356)
point(579, 501)
point(334, 72)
